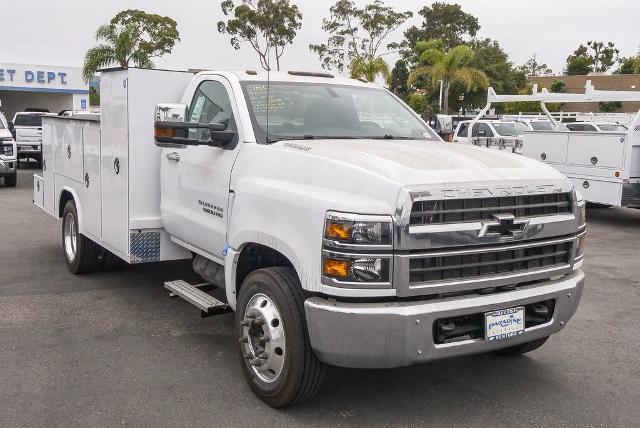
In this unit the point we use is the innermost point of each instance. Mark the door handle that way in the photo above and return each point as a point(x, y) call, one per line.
point(173, 156)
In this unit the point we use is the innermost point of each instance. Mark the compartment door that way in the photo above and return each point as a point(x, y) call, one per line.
point(115, 161)
point(601, 150)
point(92, 181)
point(48, 163)
point(68, 149)
point(546, 147)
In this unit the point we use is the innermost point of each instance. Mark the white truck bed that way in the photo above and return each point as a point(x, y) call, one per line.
point(605, 167)
point(112, 167)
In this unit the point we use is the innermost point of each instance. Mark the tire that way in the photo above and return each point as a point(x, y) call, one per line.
point(273, 296)
point(523, 348)
point(11, 180)
point(80, 254)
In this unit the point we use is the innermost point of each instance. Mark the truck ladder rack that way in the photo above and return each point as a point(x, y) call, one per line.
point(207, 304)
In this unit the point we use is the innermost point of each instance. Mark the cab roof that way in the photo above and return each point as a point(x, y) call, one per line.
point(293, 76)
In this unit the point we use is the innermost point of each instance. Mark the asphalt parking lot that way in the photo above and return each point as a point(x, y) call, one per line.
point(113, 349)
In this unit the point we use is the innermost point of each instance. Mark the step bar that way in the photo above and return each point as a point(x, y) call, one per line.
point(207, 304)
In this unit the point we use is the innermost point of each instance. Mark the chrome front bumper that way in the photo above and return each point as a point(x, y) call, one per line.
point(395, 334)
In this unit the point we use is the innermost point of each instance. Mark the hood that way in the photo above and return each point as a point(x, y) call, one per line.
point(413, 162)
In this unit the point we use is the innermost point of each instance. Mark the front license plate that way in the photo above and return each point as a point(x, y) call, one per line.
point(504, 323)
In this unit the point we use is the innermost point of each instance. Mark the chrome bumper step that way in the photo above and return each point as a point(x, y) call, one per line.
point(207, 304)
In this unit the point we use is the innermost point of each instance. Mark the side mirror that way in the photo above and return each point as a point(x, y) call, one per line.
point(171, 130)
point(167, 112)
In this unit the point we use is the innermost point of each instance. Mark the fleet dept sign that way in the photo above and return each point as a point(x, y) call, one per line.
point(29, 76)
point(46, 77)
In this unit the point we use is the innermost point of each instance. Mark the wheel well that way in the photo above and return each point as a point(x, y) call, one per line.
point(257, 256)
point(65, 197)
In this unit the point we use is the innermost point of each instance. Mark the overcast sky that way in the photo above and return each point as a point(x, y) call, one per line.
point(59, 32)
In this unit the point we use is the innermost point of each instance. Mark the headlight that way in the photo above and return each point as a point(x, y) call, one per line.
point(351, 229)
point(356, 268)
point(582, 208)
point(7, 146)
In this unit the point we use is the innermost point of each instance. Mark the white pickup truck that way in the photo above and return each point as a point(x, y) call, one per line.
point(342, 229)
point(8, 155)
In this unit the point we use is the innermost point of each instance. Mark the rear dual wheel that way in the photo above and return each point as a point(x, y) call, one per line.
point(276, 356)
point(81, 254)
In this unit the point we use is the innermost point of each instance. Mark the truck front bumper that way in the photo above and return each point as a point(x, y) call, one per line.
point(7, 167)
point(396, 334)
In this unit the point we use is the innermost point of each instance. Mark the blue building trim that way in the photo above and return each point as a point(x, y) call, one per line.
point(53, 90)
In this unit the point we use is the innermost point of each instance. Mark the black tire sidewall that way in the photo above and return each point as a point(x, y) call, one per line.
point(284, 389)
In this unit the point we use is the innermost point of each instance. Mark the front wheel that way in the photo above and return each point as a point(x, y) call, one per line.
point(80, 253)
point(11, 180)
point(276, 356)
point(523, 348)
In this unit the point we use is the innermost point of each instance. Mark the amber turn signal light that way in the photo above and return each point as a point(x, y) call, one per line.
point(165, 132)
point(337, 230)
point(335, 268)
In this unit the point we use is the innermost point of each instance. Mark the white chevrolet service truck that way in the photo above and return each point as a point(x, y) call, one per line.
point(343, 230)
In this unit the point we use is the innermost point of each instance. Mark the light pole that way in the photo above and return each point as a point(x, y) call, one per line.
point(440, 103)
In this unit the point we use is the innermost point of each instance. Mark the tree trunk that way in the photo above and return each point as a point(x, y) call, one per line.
point(445, 98)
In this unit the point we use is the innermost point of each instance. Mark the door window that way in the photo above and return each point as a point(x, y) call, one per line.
point(462, 132)
point(210, 105)
point(482, 130)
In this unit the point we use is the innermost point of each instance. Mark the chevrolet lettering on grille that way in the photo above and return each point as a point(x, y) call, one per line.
point(504, 225)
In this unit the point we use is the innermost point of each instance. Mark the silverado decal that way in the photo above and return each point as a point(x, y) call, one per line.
point(211, 209)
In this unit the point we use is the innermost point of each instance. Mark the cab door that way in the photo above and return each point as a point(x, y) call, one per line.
point(195, 197)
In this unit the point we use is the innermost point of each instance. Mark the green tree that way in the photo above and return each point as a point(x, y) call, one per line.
point(446, 22)
point(629, 66)
point(398, 80)
point(558, 86)
point(610, 106)
point(452, 66)
point(604, 55)
point(489, 57)
point(132, 36)
point(362, 31)
point(264, 24)
point(578, 66)
point(534, 68)
point(596, 57)
point(369, 69)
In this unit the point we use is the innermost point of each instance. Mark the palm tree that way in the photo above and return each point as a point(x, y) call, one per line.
point(369, 68)
point(452, 66)
point(119, 45)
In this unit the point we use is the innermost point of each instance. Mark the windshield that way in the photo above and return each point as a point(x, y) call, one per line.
point(614, 127)
point(541, 126)
point(320, 110)
point(28, 120)
point(509, 129)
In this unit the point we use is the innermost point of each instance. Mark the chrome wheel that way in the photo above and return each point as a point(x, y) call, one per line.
point(70, 237)
point(263, 338)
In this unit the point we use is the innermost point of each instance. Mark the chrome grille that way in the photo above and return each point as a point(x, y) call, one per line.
point(487, 262)
point(477, 209)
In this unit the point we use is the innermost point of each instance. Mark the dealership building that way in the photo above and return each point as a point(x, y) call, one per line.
point(54, 88)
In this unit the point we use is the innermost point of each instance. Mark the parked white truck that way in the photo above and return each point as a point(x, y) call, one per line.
point(342, 229)
point(603, 161)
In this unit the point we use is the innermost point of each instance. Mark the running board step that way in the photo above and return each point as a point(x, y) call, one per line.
point(208, 304)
